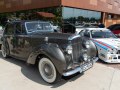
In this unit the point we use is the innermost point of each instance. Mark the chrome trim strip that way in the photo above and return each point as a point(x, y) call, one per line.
point(69, 73)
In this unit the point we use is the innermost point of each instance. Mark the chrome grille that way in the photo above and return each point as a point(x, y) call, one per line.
point(76, 49)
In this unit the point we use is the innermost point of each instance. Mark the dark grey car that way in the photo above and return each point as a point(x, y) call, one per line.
point(57, 54)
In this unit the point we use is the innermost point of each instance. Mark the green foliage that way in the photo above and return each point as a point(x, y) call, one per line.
point(24, 14)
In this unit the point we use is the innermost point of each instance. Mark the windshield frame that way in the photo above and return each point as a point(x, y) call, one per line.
point(28, 31)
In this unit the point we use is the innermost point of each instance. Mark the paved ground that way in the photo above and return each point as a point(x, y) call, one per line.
point(117, 66)
point(16, 75)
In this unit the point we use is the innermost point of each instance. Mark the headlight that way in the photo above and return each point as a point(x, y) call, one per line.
point(87, 44)
point(69, 49)
point(85, 57)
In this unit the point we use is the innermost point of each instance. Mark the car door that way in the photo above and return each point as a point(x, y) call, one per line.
point(8, 37)
point(22, 45)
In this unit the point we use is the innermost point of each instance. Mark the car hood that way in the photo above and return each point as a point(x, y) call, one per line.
point(61, 39)
point(111, 42)
point(53, 35)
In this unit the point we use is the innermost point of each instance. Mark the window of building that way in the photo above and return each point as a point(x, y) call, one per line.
point(73, 13)
point(77, 17)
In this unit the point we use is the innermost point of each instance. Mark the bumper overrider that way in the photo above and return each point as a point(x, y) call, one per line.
point(81, 68)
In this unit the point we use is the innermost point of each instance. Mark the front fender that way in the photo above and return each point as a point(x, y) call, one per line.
point(53, 52)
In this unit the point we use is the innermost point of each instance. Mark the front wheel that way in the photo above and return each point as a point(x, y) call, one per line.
point(47, 70)
point(4, 54)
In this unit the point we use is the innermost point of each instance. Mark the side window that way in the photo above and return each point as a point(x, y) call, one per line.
point(9, 30)
point(23, 29)
point(87, 34)
point(18, 29)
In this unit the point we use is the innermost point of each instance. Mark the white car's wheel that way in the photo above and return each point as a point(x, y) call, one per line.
point(4, 54)
point(47, 70)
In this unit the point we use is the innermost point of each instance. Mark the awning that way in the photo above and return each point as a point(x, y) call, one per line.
point(46, 14)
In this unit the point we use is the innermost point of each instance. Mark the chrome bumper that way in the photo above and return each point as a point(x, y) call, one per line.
point(80, 69)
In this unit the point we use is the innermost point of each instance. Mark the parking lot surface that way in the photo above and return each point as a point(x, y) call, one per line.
point(116, 66)
point(17, 75)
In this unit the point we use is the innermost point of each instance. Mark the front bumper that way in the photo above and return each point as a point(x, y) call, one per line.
point(80, 69)
point(113, 58)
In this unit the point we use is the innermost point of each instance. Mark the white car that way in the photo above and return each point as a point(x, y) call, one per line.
point(79, 28)
point(107, 43)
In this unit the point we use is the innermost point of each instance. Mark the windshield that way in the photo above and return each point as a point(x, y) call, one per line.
point(38, 26)
point(102, 34)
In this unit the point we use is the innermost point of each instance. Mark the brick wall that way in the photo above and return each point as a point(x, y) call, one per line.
point(111, 6)
point(15, 5)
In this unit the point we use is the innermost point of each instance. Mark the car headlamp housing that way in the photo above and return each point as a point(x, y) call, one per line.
point(87, 44)
point(69, 49)
point(85, 57)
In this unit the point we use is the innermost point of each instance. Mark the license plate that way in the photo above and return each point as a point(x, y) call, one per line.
point(87, 66)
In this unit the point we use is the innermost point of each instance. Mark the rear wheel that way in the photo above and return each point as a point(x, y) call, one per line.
point(48, 71)
point(4, 54)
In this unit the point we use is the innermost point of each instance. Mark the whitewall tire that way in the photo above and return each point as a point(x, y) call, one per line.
point(47, 70)
point(4, 54)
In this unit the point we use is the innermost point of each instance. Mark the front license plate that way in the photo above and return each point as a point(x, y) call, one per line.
point(87, 66)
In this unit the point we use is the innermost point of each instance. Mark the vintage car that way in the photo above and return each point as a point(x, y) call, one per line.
point(107, 43)
point(57, 54)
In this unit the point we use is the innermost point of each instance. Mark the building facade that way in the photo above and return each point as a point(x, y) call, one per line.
point(107, 11)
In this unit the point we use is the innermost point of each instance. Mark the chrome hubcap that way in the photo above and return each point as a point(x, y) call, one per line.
point(48, 70)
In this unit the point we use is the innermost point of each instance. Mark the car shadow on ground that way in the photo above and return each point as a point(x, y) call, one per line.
point(32, 73)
